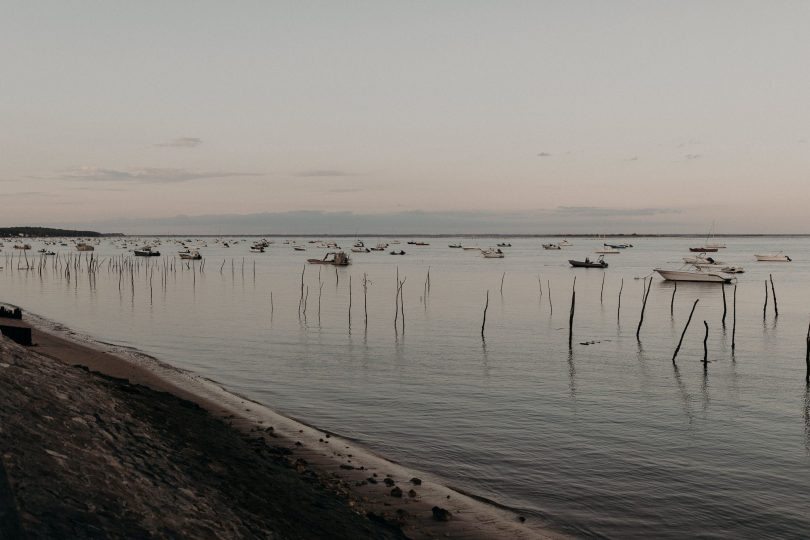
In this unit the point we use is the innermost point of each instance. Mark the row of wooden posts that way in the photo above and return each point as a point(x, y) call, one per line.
point(129, 267)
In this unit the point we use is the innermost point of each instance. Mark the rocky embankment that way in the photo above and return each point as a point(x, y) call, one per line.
point(89, 456)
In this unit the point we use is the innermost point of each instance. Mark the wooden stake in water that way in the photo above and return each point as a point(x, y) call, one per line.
point(571, 315)
point(550, 305)
point(773, 294)
point(807, 358)
point(502, 278)
point(365, 300)
point(672, 301)
point(705, 346)
point(484, 322)
point(723, 288)
point(689, 320)
point(765, 306)
point(350, 302)
point(643, 308)
point(734, 319)
point(602, 291)
point(619, 308)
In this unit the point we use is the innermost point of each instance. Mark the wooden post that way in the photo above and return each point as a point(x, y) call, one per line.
point(571, 315)
point(365, 300)
point(773, 294)
point(602, 290)
point(619, 308)
point(723, 288)
point(734, 319)
point(678, 348)
point(765, 306)
point(350, 302)
point(705, 346)
point(484, 322)
point(807, 358)
point(643, 308)
point(402, 303)
point(502, 278)
point(672, 302)
point(550, 305)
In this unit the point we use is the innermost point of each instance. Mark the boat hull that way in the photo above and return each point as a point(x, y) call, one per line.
point(772, 258)
point(583, 264)
point(701, 277)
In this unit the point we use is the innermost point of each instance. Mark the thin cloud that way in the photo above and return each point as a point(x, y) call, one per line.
point(324, 173)
point(181, 142)
point(597, 211)
point(147, 175)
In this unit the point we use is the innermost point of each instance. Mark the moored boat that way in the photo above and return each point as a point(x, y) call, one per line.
point(192, 255)
point(146, 251)
point(336, 258)
point(697, 275)
point(778, 257)
point(588, 263)
point(551, 246)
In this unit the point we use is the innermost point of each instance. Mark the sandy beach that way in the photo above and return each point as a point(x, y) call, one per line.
point(99, 441)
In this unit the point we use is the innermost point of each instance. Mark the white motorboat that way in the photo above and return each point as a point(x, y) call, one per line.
point(702, 261)
point(492, 253)
point(778, 257)
point(471, 248)
point(697, 275)
point(191, 255)
point(456, 245)
point(551, 246)
point(564, 243)
point(607, 251)
point(299, 248)
point(732, 270)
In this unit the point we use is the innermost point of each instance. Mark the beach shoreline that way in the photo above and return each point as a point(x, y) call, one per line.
point(370, 485)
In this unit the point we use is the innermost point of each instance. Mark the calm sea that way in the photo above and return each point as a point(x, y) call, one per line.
point(607, 439)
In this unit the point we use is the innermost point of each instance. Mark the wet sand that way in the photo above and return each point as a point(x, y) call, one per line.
point(111, 443)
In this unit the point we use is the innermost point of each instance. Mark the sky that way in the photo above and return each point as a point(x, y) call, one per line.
point(443, 116)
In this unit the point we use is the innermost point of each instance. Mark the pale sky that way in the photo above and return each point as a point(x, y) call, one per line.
point(634, 116)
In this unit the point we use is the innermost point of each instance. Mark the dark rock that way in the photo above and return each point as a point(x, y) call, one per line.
point(416, 481)
point(440, 514)
point(396, 492)
point(388, 482)
point(412, 493)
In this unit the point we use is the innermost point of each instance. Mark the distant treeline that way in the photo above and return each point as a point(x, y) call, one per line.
point(40, 232)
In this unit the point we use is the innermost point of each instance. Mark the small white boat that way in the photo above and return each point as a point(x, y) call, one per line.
point(551, 246)
point(492, 253)
point(732, 270)
point(471, 248)
point(564, 243)
point(607, 251)
point(456, 245)
point(360, 249)
point(697, 275)
point(192, 255)
point(382, 246)
point(299, 248)
point(702, 261)
point(778, 257)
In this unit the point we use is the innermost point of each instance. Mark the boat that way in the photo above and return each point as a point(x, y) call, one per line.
point(607, 251)
point(418, 243)
point(382, 246)
point(360, 249)
point(551, 246)
point(146, 252)
point(492, 254)
point(471, 248)
point(618, 246)
point(564, 243)
point(732, 270)
point(703, 249)
point(697, 275)
point(702, 260)
point(192, 255)
point(504, 244)
point(359, 244)
point(778, 257)
point(257, 249)
point(22, 246)
point(454, 245)
point(299, 248)
point(587, 263)
point(84, 247)
point(395, 252)
point(337, 258)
